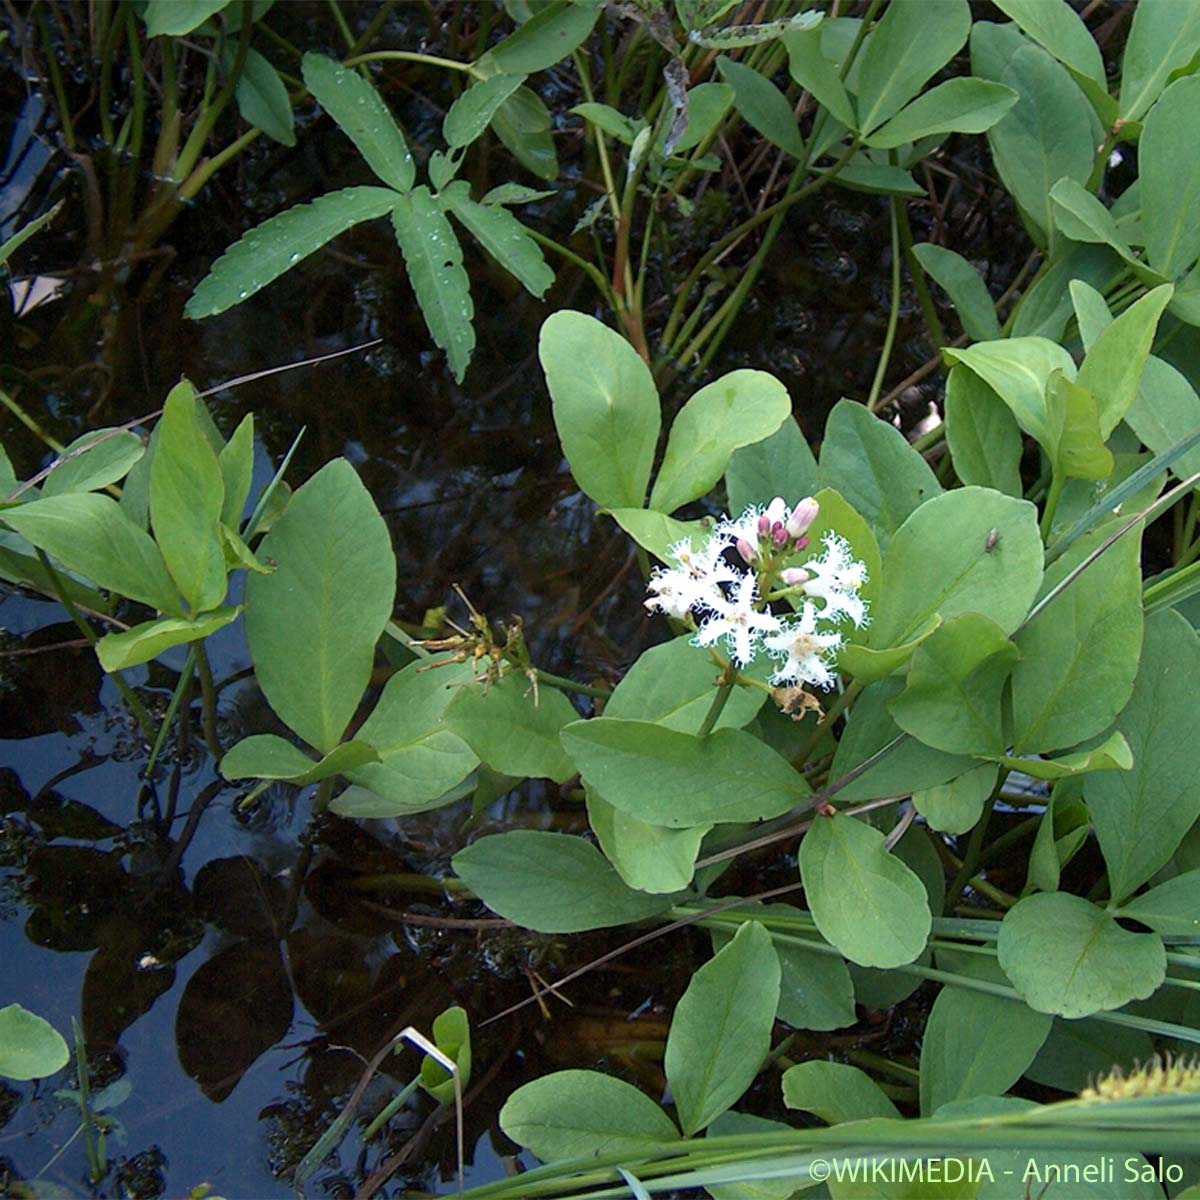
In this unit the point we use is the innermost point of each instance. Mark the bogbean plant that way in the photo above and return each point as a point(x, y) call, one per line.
point(865, 654)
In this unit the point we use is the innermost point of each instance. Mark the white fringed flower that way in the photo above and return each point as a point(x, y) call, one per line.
point(836, 578)
point(739, 622)
point(695, 584)
point(803, 650)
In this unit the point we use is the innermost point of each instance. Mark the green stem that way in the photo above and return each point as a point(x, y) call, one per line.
point(970, 864)
point(1052, 498)
point(589, 269)
point(139, 86)
point(209, 693)
point(569, 685)
point(724, 689)
point(429, 60)
point(56, 80)
point(87, 1118)
point(928, 308)
point(835, 710)
point(209, 167)
point(889, 338)
point(185, 677)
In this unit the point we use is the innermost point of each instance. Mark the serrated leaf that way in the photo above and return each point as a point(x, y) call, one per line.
point(363, 117)
point(434, 260)
point(503, 237)
point(270, 249)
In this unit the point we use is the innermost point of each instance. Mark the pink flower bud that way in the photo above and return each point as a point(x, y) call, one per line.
point(747, 551)
point(794, 576)
point(802, 543)
point(779, 535)
point(803, 515)
point(764, 525)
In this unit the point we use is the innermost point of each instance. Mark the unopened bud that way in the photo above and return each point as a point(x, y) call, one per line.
point(794, 576)
point(802, 543)
point(803, 515)
point(764, 525)
point(747, 551)
point(779, 535)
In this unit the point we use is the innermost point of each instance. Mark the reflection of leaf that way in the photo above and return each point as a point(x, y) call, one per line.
point(233, 1010)
point(121, 984)
point(58, 817)
point(74, 889)
point(238, 896)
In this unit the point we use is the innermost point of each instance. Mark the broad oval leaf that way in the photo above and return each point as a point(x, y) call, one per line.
point(1079, 655)
point(983, 435)
point(578, 1114)
point(956, 106)
point(138, 645)
point(175, 17)
point(721, 1030)
point(265, 756)
point(1163, 38)
point(835, 1092)
point(1171, 909)
point(679, 780)
point(962, 284)
point(112, 454)
point(763, 105)
point(270, 249)
point(434, 260)
point(551, 883)
point(1170, 181)
point(547, 37)
point(968, 550)
point(954, 807)
point(651, 858)
point(30, 1047)
point(656, 532)
point(91, 534)
point(606, 407)
point(1066, 956)
point(363, 117)
point(865, 901)
point(780, 465)
point(736, 410)
point(187, 493)
point(312, 625)
point(1056, 26)
point(262, 97)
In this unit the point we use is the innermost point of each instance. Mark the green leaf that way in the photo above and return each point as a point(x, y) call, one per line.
point(434, 261)
point(673, 685)
point(1077, 1052)
point(983, 435)
point(549, 36)
point(1047, 134)
point(523, 124)
point(736, 410)
point(976, 1045)
point(815, 989)
point(84, 470)
point(1163, 38)
point(611, 121)
point(954, 807)
point(363, 117)
point(1166, 411)
point(312, 625)
point(420, 758)
point(1113, 367)
point(1170, 181)
point(1045, 309)
point(503, 237)
point(1092, 313)
point(262, 97)
point(472, 112)
point(11, 245)
point(834, 1092)
point(551, 883)
point(962, 284)
point(906, 768)
point(956, 106)
point(872, 465)
point(144, 642)
point(912, 42)
point(19, 564)
point(514, 193)
point(969, 550)
point(1142, 815)
point(577, 1114)
point(817, 75)
point(265, 756)
point(1079, 655)
point(1081, 217)
point(1062, 831)
point(780, 465)
point(763, 105)
point(511, 729)
point(676, 779)
point(606, 407)
point(865, 901)
point(186, 497)
point(1056, 26)
point(651, 858)
point(861, 174)
point(1018, 369)
point(721, 1031)
point(270, 249)
point(655, 531)
point(952, 698)
point(1074, 443)
point(869, 666)
point(452, 1036)
point(176, 17)
point(236, 461)
point(1069, 957)
point(90, 533)
point(707, 104)
point(1171, 909)
point(30, 1047)
point(1113, 754)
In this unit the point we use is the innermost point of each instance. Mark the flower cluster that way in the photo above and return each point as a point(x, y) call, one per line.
point(732, 604)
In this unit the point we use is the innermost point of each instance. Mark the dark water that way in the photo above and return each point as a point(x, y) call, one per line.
point(239, 985)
